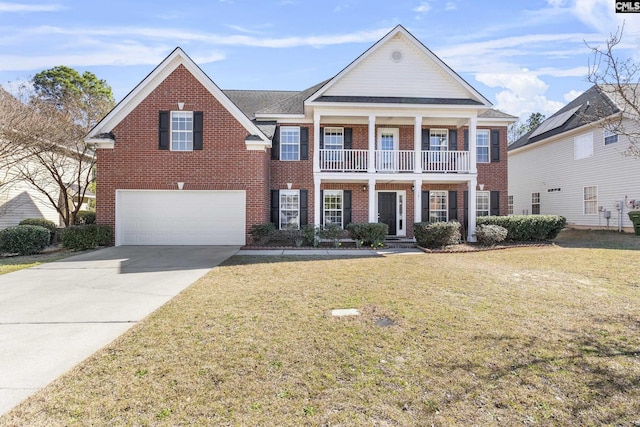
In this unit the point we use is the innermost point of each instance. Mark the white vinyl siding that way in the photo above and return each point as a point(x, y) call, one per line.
point(415, 75)
point(551, 165)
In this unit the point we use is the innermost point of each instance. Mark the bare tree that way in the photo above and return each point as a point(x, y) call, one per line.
point(619, 79)
point(45, 128)
point(518, 128)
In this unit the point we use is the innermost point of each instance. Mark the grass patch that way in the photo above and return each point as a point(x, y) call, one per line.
point(15, 263)
point(534, 336)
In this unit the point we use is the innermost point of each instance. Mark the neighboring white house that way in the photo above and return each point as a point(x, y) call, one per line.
point(570, 166)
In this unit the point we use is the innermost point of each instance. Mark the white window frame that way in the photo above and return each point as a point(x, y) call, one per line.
point(482, 146)
point(290, 137)
point(510, 205)
point(480, 204)
point(441, 136)
point(535, 201)
point(442, 209)
point(610, 137)
point(590, 200)
point(583, 146)
point(331, 135)
point(281, 207)
point(332, 193)
point(186, 131)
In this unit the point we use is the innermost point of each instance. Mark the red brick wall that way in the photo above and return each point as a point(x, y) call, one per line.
point(223, 164)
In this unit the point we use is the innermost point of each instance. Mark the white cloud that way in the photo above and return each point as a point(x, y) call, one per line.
point(524, 93)
point(572, 94)
point(423, 8)
point(24, 7)
point(450, 6)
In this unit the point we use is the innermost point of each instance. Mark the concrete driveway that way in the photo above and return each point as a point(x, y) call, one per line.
point(55, 315)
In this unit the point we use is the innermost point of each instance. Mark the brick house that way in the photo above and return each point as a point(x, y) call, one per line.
point(396, 137)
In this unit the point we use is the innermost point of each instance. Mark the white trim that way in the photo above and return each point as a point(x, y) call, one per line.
point(154, 79)
point(400, 30)
point(401, 217)
point(101, 143)
point(584, 200)
point(396, 137)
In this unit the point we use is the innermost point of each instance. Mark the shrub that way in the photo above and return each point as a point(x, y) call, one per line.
point(83, 237)
point(42, 222)
point(369, 233)
point(437, 234)
point(524, 228)
point(489, 235)
point(332, 232)
point(261, 233)
point(310, 235)
point(24, 239)
point(85, 217)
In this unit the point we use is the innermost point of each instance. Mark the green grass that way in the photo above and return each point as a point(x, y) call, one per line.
point(525, 336)
point(11, 264)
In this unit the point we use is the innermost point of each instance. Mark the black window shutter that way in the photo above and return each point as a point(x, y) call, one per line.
point(197, 130)
point(426, 144)
point(275, 207)
point(346, 208)
point(425, 206)
point(304, 143)
point(163, 130)
point(321, 142)
point(466, 140)
point(453, 139)
point(495, 145)
point(275, 144)
point(466, 210)
point(348, 135)
point(453, 205)
point(304, 208)
point(495, 203)
point(321, 207)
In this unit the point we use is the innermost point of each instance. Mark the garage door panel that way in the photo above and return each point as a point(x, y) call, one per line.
point(146, 217)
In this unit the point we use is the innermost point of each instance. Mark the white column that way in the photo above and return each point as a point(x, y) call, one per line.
point(472, 210)
point(372, 147)
point(317, 203)
point(473, 123)
point(417, 145)
point(373, 213)
point(417, 201)
point(316, 142)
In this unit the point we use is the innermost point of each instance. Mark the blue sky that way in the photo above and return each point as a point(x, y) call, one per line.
point(523, 55)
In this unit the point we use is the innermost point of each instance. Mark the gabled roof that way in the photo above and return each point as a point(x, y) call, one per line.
point(476, 98)
point(255, 138)
point(591, 106)
point(252, 101)
point(293, 104)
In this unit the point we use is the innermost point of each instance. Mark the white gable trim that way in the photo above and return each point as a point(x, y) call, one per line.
point(154, 79)
point(421, 47)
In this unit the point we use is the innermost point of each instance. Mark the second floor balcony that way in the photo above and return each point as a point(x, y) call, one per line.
point(394, 161)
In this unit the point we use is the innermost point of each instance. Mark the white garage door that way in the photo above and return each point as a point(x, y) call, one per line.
point(157, 217)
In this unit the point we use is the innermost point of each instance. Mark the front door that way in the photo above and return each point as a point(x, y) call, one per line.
point(387, 211)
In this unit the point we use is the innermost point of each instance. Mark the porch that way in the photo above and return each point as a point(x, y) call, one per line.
point(395, 161)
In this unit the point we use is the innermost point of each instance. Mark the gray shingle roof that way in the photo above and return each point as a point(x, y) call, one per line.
point(591, 106)
point(252, 101)
point(495, 114)
point(398, 100)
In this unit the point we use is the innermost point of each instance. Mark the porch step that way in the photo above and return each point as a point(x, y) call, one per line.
point(399, 242)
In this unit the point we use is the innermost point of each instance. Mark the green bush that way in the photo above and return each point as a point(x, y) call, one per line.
point(369, 233)
point(524, 228)
point(49, 225)
point(86, 217)
point(24, 239)
point(83, 237)
point(261, 233)
point(332, 232)
point(437, 234)
point(489, 234)
point(310, 235)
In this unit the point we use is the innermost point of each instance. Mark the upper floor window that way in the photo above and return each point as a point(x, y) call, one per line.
point(583, 146)
point(182, 130)
point(482, 145)
point(438, 139)
point(510, 205)
point(289, 143)
point(333, 138)
point(610, 137)
point(482, 203)
point(438, 206)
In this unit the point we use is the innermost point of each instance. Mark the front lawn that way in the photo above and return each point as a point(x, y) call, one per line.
point(15, 263)
point(527, 336)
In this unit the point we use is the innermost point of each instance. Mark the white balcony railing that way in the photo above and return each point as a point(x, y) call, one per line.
point(394, 161)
